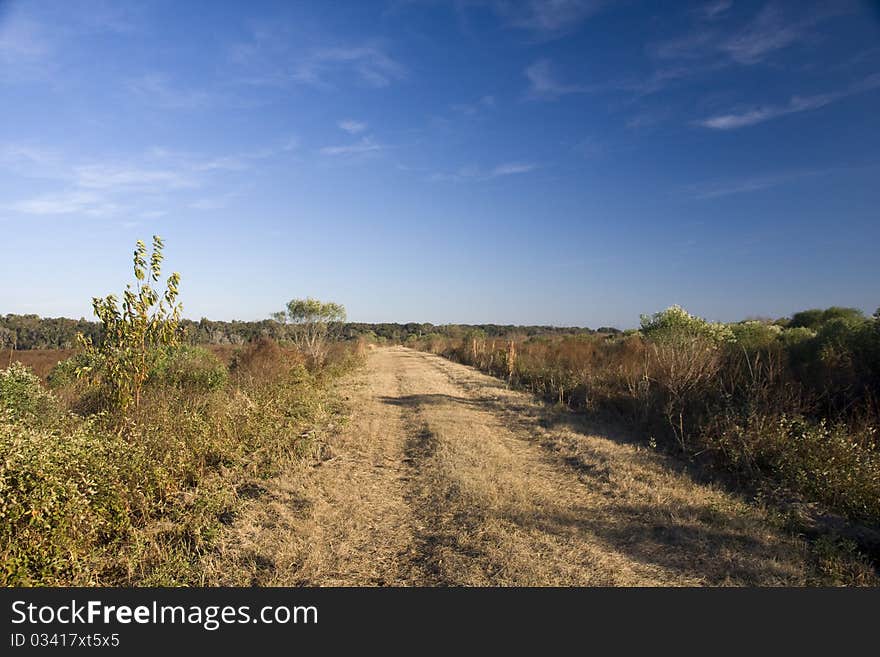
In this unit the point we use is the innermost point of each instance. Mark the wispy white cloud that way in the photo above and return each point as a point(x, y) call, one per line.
point(215, 202)
point(157, 90)
point(771, 30)
point(543, 83)
point(720, 188)
point(547, 19)
point(126, 178)
point(209, 203)
point(709, 45)
point(278, 56)
point(29, 160)
point(34, 37)
point(107, 16)
point(694, 45)
point(796, 104)
point(364, 146)
point(714, 9)
point(648, 119)
point(239, 161)
point(100, 188)
point(76, 202)
point(511, 168)
point(475, 173)
point(470, 109)
point(351, 126)
point(370, 64)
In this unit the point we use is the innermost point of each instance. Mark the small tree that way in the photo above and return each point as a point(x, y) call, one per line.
point(311, 324)
point(146, 322)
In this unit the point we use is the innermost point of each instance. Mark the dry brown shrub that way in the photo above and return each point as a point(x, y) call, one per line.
point(264, 360)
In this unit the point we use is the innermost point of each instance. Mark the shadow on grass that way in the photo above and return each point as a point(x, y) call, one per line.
point(692, 541)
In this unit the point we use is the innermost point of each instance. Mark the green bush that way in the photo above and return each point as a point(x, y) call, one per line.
point(755, 336)
point(791, 337)
point(676, 324)
point(840, 361)
point(815, 317)
point(60, 496)
point(829, 464)
point(188, 368)
point(67, 372)
point(22, 396)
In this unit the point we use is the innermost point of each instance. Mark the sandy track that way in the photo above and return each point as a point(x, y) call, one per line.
point(443, 476)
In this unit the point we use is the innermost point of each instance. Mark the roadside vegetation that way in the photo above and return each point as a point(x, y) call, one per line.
point(789, 409)
point(122, 467)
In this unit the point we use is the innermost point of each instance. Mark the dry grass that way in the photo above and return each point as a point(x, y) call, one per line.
point(41, 361)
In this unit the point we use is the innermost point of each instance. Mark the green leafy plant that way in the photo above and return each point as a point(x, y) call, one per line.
point(189, 368)
point(145, 322)
point(21, 395)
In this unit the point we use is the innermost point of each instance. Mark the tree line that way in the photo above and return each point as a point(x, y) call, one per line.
point(25, 332)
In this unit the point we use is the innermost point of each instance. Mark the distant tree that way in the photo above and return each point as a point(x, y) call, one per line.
point(815, 317)
point(810, 319)
point(311, 323)
point(848, 315)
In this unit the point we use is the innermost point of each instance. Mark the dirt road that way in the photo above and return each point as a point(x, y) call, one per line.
point(443, 476)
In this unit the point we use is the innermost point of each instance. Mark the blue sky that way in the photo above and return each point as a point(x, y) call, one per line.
point(538, 162)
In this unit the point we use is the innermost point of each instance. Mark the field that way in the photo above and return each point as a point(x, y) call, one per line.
point(41, 361)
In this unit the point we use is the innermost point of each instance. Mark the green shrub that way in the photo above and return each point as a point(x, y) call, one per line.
point(815, 317)
point(755, 336)
point(791, 337)
point(22, 397)
point(61, 497)
point(829, 464)
point(676, 324)
point(188, 368)
point(67, 372)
